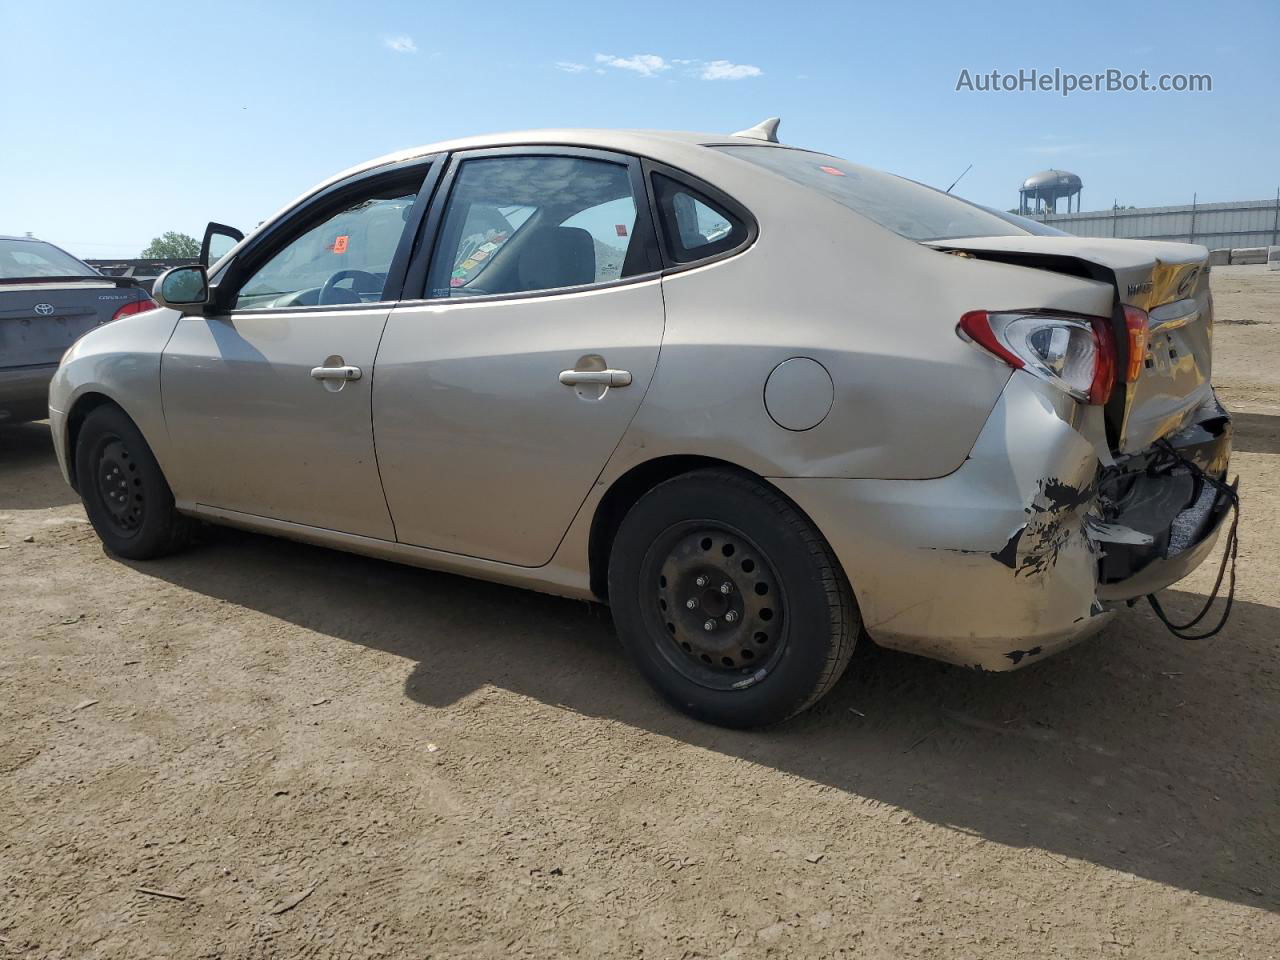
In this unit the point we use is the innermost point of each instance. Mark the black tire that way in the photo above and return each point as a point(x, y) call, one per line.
point(794, 620)
point(125, 494)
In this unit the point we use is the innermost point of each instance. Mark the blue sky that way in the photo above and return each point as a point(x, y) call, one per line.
point(119, 121)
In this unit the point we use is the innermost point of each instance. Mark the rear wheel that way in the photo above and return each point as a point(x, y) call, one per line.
point(729, 600)
point(125, 494)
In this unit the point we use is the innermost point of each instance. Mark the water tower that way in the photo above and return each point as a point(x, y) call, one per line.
point(1040, 192)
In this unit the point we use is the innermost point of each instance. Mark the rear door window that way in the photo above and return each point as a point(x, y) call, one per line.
point(524, 223)
point(485, 231)
point(610, 225)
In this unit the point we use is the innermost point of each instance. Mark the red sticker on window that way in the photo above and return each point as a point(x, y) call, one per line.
point(621, 228)
point(833, 171)
point(340, 244)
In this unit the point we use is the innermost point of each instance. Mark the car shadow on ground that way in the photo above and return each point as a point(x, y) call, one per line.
point(1255, 432)
point(1134, 751)
point(26, 454)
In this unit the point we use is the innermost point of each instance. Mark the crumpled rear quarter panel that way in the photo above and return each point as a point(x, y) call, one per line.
point(990, 566)
point(877, 310)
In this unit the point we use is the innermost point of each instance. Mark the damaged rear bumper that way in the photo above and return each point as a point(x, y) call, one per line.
point(1169, 504)
point(1001, 562)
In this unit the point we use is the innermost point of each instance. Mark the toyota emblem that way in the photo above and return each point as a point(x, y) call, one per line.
point(44, 309)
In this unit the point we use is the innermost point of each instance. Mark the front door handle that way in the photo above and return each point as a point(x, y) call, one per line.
point(336, 373)
point(606, 378)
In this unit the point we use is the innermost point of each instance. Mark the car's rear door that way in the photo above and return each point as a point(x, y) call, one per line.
point(501, 394)
point(267, 398)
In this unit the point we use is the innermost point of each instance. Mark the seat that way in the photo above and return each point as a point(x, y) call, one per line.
point(557, 257)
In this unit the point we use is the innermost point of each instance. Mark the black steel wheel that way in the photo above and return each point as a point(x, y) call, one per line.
point(124, 491)
point(119, 487)
point(729, 600)
point(719, 600)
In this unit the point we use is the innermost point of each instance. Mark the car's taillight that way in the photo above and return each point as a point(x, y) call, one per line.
point(138, 306)
point(1075, 354)
point(1136, 325)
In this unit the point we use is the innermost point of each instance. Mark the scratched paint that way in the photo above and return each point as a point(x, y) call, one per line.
point(1055, 520)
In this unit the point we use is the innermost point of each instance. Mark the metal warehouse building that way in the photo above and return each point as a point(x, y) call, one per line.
point(1248, 223)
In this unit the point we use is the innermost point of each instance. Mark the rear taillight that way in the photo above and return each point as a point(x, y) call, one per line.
point(1075, 354)
point(138, 306)
point(1136, 325)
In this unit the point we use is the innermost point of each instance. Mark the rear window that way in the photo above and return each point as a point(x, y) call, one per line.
point(909, 209)
point(20, 259)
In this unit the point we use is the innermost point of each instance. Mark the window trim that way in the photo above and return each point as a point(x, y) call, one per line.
point(644, 231)
point(311, 212)
point(711, 192)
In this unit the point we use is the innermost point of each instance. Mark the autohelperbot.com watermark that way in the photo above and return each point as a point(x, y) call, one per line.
point(1065, 82)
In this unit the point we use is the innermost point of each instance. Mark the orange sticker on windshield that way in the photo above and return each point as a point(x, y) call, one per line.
point(340, 244)
point(833, 171)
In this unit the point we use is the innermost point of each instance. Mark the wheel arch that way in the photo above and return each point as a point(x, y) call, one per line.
point(626, 491)
point(84, 405)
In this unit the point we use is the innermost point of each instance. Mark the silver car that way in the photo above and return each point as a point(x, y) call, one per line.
point(758, 399)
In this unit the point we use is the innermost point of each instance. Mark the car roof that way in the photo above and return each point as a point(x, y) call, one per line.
point(651, 143)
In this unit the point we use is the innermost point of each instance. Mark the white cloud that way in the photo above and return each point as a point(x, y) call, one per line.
point(645, 64)
point(724, 70)
point(401, 44)
point(652, 65)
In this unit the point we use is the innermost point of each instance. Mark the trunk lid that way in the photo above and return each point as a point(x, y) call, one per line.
point(41, 317)
point(1168, 280)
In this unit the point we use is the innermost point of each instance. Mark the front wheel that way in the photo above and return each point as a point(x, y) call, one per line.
point(125, 494)
point(729, 600)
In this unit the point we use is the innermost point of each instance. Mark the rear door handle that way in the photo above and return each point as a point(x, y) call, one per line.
point(336, 373)
point(608, 378)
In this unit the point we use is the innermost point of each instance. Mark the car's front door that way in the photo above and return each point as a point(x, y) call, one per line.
point(501, 395)
point(267, 397)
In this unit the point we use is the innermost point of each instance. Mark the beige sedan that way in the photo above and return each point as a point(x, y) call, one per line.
point(760, 400)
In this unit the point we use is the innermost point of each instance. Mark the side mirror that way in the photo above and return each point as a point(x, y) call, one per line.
point(182, 288)
point(217, 243)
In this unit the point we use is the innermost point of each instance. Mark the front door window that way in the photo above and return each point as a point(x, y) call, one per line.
point(344, 260)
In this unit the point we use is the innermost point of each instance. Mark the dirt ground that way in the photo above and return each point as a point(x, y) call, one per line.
point(325, 756)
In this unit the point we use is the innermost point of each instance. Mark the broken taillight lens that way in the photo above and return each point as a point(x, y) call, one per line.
point(1076, 354)
point(137, 306)
point(1137, 325)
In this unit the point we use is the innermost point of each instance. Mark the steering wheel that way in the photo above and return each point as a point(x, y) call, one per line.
point(330, 294)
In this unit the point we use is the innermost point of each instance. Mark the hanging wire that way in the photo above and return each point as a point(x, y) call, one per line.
point(1181, 630)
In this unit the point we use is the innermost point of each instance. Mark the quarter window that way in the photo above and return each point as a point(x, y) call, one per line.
point(695, 227)
point(521, 224)
point(343, 260)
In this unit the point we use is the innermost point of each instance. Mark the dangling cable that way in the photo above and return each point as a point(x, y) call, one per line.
point(1228, 555)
